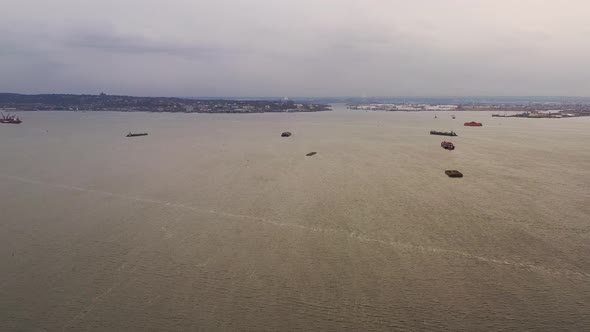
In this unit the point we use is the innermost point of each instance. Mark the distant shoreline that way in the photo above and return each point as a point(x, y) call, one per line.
point(9, 110)
point(533, 110)
point(11, 102)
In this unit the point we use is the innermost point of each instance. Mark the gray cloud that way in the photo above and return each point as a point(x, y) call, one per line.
point(308, 47)
point(110, 42)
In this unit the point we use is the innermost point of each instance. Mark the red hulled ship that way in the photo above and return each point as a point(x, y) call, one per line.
point(473, 124)
point(10, 119)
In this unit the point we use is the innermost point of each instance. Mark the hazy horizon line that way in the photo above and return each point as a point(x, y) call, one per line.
point(310, 97)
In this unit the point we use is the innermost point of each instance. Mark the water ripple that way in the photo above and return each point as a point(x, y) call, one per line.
point(352, 235)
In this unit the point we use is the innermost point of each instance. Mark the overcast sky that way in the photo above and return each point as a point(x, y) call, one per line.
point(296, 48)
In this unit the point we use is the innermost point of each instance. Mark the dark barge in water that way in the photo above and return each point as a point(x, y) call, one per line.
point(453, 173)
point(443, 133)
point(447, 145)
point(136, 134)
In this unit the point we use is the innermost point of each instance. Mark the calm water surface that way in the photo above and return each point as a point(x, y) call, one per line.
point(215, 222)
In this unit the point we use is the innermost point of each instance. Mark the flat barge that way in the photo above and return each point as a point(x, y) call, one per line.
point(443, 133)
point(453, 173)
point(136, 134)
point(447, 145)
point(472, 124)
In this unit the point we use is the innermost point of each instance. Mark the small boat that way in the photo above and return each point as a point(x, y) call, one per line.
point(447, 145)
point(443, 133)
point(453, 173)
point(136, 134)
point(473, 124)
point(286, 134)
point(453, 117)
point(12, 119)
point(311, 154)
point(436, 117)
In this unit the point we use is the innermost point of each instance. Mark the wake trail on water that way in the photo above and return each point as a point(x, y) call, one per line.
point(352, 235)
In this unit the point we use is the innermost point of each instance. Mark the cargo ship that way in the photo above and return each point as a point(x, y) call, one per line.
point(136, 134)
point(473, 124)
point(447, 145)
point(10, 119)
point(443, 133)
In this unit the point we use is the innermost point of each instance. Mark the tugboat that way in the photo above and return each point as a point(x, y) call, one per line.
point(13, 119)
point(473, 124)
point(136, 134)
point(443, 133)
point(447, 145)
point(453, 173)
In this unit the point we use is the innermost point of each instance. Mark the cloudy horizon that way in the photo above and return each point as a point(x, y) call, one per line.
point(305, 48)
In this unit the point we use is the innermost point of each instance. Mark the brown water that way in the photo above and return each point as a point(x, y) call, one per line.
point(215, 222)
